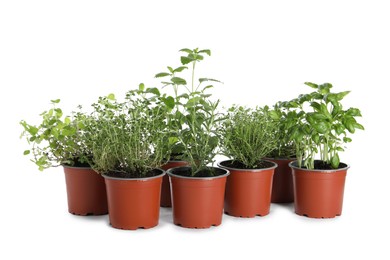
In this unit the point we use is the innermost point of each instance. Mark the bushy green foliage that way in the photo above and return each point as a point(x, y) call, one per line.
point(248, 135)
point(320, 125)
point(57, 140)
point(127, 138)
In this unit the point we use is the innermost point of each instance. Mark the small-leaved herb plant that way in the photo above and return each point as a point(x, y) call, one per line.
point(286, 121)
point(321, 126)
point(57, 140)
point(248, 135)
point(193, 118)
point(127, 138)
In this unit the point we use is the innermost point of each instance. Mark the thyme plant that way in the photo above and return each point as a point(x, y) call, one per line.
point(248, 135)
point(127, 138)
point(321, 126)
point(57, 140)
point(194, 118)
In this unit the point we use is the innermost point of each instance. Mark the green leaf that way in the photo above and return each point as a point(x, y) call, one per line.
point(349, 123)
point(186, 50)
point(169, 102)
point(318, 116)
point(274, 115)
point(358, 126)
point(341, 95)
point(316, 106)
point(26, 152)
point(178, 81)
point(207, 79)
point(67, 120)
point(354, 112)
point(311, 85)
point(208, 52)
point(153, 91)
point(55, 101)
point(193, 101)
point(347, 140)
point(111, 96)
point(335, 161)
point(180, 69)
point(321, 127)
point(32, 130)
point(339, 128)
point(185, 60)
point(173, 140)
point(141, 87)
point(162, 74)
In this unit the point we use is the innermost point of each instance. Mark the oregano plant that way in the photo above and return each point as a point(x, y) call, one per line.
point(322, 126)
point(193, 116)
point(58, 139)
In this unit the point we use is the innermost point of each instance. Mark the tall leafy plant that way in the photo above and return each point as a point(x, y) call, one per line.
point(58, 139)
point(194, 117)
point(322, 126)
point(248, 136)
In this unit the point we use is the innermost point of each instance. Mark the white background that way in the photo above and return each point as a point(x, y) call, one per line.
point(262, 50)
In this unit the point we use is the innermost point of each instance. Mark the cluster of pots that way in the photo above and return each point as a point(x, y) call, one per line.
point(199, 202)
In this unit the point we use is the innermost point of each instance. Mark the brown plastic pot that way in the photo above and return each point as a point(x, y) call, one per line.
point(318, 193)
point(282, 184)
point(86, 191)
point(197, 202)
point(134, 202)
point(248, 191)
point(166, 187)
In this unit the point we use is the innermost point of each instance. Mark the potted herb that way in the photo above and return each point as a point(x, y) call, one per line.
point(322, 128)
point(60, 141)
point(127, 149)
point(198, 189)
point(248, 136)
point(282, 184)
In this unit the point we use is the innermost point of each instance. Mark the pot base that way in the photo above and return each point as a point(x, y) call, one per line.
point(247, 215)
point(134, 227)
point(197, 226)
point(317, 216)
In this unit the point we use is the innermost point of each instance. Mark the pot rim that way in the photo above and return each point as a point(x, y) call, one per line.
point(280, 158)
point(291, 165)
point(169, 172)
point(249, 170)
point(137, 179)
point(76, 167)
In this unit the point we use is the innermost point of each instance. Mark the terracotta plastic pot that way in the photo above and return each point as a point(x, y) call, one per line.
point(197, 202)
point(282, 185)
point(319, 193)
point(166, 187)
point(248, 191)
point(86, 191)
point(134, 202)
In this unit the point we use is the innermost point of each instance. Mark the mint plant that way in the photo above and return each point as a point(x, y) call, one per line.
point(127, 138)
point(248, 136)
point(321, 126)
point(193, 120)
point(57, 140)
